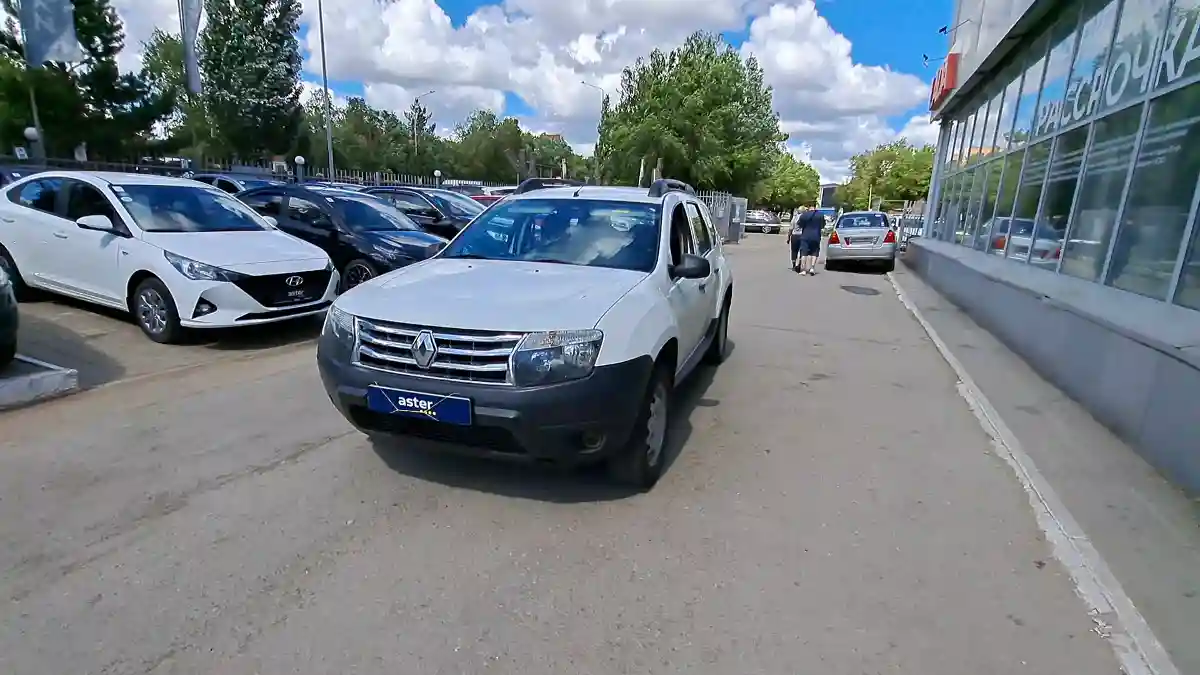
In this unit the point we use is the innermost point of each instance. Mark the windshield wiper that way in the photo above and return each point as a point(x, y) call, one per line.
point(468, 256)
point(549, 260)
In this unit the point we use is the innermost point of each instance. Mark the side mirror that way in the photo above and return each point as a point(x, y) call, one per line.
point(98, 223)
point(435, 249)
point(271, 220)
point(691, 267)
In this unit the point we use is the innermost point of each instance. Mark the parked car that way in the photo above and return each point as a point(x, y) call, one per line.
point(859, 237)
point(173, 252)
point(555, 327)
point(10, 174)
point(363, 234)
point(762, 221)
point(501, 190)
point(1044, 250)
point(441, 212)
point(354, 187)
point(233, 183)
point(9, 318)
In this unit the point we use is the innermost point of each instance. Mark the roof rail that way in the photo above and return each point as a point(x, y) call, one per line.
point(531, 184)
point(662, 186)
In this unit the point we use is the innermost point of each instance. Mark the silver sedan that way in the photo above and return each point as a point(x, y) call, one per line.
point(860, 237)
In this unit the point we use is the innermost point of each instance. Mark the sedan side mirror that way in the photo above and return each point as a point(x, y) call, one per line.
point(99, 223)
point(691, 267)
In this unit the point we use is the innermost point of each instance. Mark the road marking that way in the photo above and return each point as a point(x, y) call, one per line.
point(1116, 618)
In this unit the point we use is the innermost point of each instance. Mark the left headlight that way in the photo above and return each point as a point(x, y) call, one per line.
point(340, 325)
point(199, 271)
point(555, 356)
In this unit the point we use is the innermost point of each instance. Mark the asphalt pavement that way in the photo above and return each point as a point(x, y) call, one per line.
point(833, 506)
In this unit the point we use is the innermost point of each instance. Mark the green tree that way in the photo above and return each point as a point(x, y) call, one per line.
point(791, 183)
point(895, 171)
point(488, 147)
point(187, 125)
point(89, 102)
point(250, 66)
point(701, 109)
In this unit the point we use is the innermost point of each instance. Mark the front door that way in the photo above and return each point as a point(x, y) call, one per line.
point(702, 230)
point(687, 297)
point(92, 259)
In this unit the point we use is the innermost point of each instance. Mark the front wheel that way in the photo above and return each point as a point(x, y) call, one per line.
point(640, 463)
point(155, 311)
point(357, 272)
point(718, 349)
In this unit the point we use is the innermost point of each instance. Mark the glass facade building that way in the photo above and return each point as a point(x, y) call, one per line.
point(1078, 152)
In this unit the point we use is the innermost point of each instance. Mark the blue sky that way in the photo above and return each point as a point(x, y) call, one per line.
point(847, 74)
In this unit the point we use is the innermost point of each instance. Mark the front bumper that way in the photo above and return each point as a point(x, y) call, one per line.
point(235, 307)
point(558, 423)
point(881, 252)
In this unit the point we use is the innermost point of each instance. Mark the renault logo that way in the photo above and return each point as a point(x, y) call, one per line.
point(424, 349)
point(294, 280)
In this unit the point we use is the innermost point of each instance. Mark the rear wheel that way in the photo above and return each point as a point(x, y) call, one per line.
point(640, 463)
point(155, 312)
point(8, 352)
point(890, 266)
point(357, 272)
point(20, 290)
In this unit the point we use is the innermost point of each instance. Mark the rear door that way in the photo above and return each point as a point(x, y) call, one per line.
point(28, 225)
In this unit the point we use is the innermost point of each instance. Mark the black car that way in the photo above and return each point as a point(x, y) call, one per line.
point(9, 174)
point(439, 211)
point(8, 319)
point(234, 183)
point(365, 236)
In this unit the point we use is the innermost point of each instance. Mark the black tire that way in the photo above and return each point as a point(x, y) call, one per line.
point(356, 272)
point(639, 464)
point(20, 290)
point(8, 353)
point(718, 349)
point(830, 266)
point(154, 310)
point(890, 266)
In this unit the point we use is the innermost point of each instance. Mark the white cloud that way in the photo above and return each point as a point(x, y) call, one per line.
point(543, 50)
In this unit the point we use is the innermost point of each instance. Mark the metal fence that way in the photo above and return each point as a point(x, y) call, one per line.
point(719, 205)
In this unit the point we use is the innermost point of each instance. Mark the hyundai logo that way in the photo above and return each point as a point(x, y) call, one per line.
point(294, 280)
point(424, 349)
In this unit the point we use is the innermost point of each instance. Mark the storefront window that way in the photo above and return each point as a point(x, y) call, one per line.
point(946, 223)
point(1030, 191)
point(965, 143)
point(1100, 190)
point(1044, 247)
point(1134, 51)
point(991, 191)
point(1085, 89)
point(987, 144)
point(973, 151)
point(1160, 196)
point(948, 154)
point(966, 231)
point(1012, 95)
point(1181, 54)
point(1058, 67)
point(1030, 86)
point(955, 143)
point(995, 235)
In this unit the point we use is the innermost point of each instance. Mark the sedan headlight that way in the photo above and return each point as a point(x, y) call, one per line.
point(555, 356)
point(198, 271)
point(339, 324)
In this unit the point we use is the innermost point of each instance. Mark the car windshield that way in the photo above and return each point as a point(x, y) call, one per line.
point(863, 220)
point(456, 204)
point(184, 208)
point(590, 232)
point(251, 183)
point(367, 214)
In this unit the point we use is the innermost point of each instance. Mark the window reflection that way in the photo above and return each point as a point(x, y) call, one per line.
point(1030, 191)
point(1030, 86)
point(1004, 127)
point(992, 236)
point(1160, 196)
point(1100, 194)
point(1180, 57)
point(1139, 35)
point(1058, 66)
point(1085, 89)
point(1045, 247)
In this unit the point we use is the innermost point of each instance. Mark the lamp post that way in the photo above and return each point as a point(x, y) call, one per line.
point(325, 85)
point(437, 177)
point(300, 168)
point(35, 144)
point(413, 121)
point(595, 152)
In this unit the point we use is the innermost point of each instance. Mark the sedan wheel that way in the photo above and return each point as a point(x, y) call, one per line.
point(357, 272)
point(154, 309)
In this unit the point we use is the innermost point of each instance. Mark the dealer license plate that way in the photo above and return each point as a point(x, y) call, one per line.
point(434, 407)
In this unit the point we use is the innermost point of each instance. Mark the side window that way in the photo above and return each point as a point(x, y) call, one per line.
point(85, 200)
point(406, 201)
point(681, 235)
point(304, 211)
point(700, 229)
point(39, 194)
point(266, 204)
point(228, 186)
point(208, 180)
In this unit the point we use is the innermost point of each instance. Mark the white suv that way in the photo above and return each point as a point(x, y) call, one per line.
point(553, 328)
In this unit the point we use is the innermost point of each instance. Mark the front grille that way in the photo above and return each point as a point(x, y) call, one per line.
point(463, 355)
point(272, 290)
point(494, 439)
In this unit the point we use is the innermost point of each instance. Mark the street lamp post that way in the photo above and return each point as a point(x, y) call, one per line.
point(325, 85)
point(413, 121)
point(300, 168)
point(35, 144)
point(595, 150)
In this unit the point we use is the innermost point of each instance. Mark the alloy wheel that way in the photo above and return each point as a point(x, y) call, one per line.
point(152, 311)
point(656, 425)
point(357, 274)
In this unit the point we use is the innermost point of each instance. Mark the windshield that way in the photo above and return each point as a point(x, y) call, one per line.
point(590, 232)
point(251, 183)
point(863, 220)
point(183, 208)
point(456, 204)
point(372, 215)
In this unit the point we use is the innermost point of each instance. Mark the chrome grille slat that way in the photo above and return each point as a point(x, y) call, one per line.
point(463, 355)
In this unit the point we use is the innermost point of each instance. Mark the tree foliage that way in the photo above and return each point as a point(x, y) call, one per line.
point(791, 183)
point(701, 109)
point(90, 102)
point(891, 172)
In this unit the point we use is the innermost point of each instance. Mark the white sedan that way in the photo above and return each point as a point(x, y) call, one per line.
point(175, 253)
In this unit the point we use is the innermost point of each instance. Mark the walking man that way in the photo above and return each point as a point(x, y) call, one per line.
point(805, 240)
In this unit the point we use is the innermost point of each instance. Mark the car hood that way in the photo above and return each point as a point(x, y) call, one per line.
point(230, 249)
point(402, 238)
point(492, 295)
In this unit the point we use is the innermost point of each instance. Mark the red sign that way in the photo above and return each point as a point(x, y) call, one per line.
point(944, 82)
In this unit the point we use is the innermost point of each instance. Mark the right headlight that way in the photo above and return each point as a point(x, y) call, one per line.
point(555, 356)
point(339, 324)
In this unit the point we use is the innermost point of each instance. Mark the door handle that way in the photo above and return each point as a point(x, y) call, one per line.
point(60, 235)
point(703, 286)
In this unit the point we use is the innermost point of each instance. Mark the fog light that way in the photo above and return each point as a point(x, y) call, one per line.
point(203, 307)
point(592, 441)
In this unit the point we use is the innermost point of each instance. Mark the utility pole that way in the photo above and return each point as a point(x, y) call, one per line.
point(413, 122)
point(325, 85)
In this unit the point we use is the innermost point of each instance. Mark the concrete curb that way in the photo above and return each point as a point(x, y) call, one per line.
point(1116, 618)
point(48, 381)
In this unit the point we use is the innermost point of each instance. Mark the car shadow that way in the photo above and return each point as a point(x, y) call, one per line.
point(432, 462)
point(52, 343)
